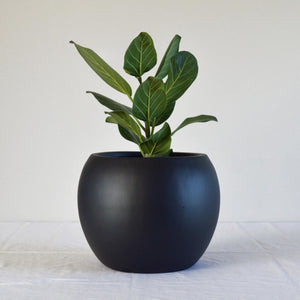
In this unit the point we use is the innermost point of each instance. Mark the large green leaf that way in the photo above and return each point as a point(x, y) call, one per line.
point(149, 100)
point(182, 72)
point(140, 56)
point(201, 118)
point(111, 104)
point(123, 119)
point(173, 48)
point(159, 143)
point(106, 72)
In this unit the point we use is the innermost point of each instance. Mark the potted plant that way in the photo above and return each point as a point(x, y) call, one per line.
point(154, 210)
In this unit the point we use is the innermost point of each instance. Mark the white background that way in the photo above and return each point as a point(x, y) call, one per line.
point(249, 65)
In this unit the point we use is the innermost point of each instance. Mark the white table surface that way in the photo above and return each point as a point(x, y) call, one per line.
point(41, 260)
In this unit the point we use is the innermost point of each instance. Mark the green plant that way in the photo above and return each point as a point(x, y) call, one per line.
point(154, 99)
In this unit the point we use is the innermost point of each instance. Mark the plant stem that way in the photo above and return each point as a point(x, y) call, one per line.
point(152, 131)
point(130, 98)
point(140, 124)
point(147, 131)
point(139, 79)
point(142, 151)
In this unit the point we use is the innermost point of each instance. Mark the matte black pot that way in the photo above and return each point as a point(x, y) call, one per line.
point(148, 215)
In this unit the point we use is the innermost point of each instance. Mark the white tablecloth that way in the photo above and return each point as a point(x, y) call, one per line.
point(41, 260)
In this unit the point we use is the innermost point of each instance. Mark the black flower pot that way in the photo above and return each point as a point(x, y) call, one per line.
point(148, 215)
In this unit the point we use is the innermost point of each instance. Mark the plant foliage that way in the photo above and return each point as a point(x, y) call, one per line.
point(154, 99)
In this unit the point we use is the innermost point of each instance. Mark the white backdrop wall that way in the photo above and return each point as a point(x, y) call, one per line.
point(249, 71)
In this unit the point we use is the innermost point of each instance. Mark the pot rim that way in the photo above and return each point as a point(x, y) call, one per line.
point(137, 155)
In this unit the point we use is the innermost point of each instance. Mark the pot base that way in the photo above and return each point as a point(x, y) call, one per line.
point(151, 271)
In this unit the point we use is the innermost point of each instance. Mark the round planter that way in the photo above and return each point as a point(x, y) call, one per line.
point(148, 215)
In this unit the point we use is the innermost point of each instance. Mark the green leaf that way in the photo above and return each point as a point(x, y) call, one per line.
point(166, 113)
point(110, 120)
point(129, 135)
point(123, 119)
point(182, 72)
point(125, 133)
point(201, 118)
point(173, 48)
point(149, 100)
point(165, 154)
point(107, 73)
point(140, 56)
point(111, 104)
point(158, 143)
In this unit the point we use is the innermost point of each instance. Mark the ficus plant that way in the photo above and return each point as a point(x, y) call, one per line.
point(154, 100)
